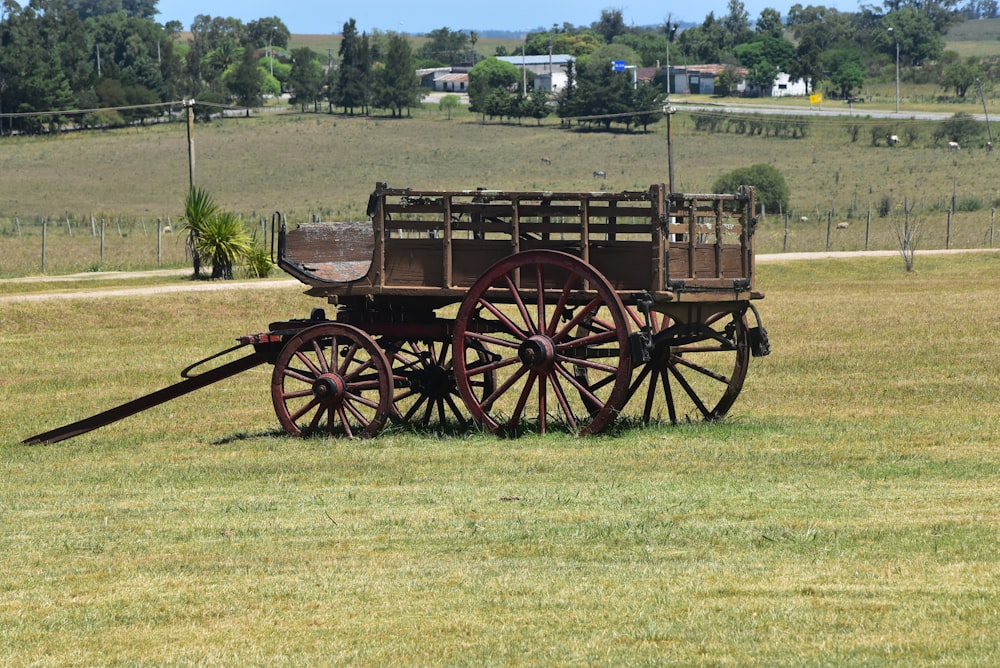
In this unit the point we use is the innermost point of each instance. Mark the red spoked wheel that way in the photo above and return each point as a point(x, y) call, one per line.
point(332, 379)
point(542, 316)
point(425, 392)
point(696, 370)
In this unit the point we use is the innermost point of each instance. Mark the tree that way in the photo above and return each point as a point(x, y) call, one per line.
point(445, 46)
point(86, 9)
point(961, 128)
point(305, 80)
point(537, 106)
point(603, 93)
point(488, 76)
point(847, 78)
point(647, 100)
point(258, 34)
point(961, 77)
point(736, 24)
point(354, 69)
point(918, 37)
point(761, 76)
point(399, 87)
point(610, 25)
point(224, 241)
point(769, 23)
point(246, 80)
point(772, 191)
point(649, 46)
point(448, 103)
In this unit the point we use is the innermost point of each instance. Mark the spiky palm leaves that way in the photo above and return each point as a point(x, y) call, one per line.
point(213, 234)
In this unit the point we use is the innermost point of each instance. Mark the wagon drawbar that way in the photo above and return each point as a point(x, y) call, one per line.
point(513, 310)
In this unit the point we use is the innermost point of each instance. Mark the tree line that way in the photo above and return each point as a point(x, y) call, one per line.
point(112, 60)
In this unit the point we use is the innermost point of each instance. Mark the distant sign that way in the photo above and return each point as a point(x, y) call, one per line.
point(618, 65)
point(816, 98)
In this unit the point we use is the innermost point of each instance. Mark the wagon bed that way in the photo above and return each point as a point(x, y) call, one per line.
point(434, 245)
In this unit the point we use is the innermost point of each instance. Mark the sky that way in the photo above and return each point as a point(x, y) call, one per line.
point(414, 16)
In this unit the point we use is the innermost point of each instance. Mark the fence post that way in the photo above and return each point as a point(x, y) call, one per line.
point(159, 242)
point(784, 246)
point(947, 232)
point(829, 224)
point(868, 226)
point(45, 229)
point(102, 244)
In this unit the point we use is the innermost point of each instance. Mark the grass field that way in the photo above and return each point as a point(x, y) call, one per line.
point(846, 512)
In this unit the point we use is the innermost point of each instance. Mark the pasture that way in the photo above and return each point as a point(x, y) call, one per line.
point(324, 166)
point(845, 513)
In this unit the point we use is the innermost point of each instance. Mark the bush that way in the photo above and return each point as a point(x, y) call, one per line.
point(772, 191)
point(962, 128)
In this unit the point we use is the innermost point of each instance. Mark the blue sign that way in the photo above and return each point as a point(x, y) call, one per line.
point(618, 65)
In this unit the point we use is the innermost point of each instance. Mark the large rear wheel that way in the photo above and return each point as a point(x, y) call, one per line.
point(697, 368)
point(541, 316)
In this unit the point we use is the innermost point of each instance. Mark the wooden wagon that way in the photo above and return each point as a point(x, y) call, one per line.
point(515, 310)
point(522, 310)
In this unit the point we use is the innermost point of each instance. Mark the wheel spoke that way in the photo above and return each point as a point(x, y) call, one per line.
point(563, 401)
point(521, 307)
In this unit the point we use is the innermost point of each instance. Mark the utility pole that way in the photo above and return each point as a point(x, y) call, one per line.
point(896, 38)
point(190, 132)
point(989, 131)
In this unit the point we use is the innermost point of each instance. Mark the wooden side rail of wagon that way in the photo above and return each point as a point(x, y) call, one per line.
point(687, 247)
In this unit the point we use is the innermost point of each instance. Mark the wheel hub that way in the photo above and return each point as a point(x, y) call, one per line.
point(329, 387)
point(433, 381)
point(537, 352)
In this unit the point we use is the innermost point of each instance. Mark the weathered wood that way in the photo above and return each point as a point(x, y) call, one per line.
point(679, 246)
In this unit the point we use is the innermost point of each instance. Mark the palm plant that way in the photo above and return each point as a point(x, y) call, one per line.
point(199, 210)
point(224, 239)
point(214, 235)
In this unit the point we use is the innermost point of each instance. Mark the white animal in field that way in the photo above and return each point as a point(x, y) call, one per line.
point(168, 230)
point(546, 161)
point(953, 145)
point(892, 140)
point(803, 219)
point(600, 174)
point(843, 226)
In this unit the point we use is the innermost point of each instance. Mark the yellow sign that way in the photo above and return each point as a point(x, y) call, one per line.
point(816, 98)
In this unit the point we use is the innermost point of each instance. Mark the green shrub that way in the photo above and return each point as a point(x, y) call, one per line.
point(772, 191)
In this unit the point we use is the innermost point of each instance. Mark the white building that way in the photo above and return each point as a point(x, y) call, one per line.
point(783, 86)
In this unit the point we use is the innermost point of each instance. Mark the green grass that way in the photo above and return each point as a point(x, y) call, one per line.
point(845, 514)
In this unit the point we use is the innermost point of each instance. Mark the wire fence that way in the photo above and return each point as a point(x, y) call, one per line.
point(86, 243)
point(102, 242)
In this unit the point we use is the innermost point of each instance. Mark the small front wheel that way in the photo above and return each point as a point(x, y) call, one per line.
point(332, 379)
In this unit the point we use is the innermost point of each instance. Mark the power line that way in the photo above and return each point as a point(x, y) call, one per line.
point(78, 112)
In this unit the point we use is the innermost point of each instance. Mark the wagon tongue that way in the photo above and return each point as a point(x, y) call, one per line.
point(189, 384)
